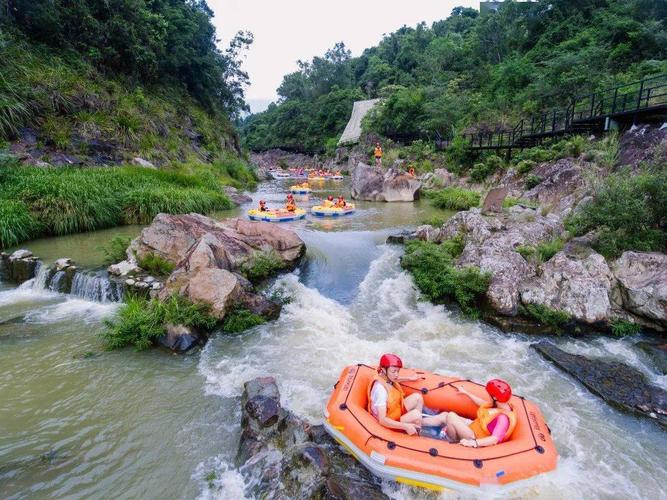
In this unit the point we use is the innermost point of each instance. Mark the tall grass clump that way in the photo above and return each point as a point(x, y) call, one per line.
point(433, 268)
point(454, 198)
point(141, 322)
point(155, 264)
point(17, 224)
point(261, 266)
point(546, 315)
point(116, 249)
point(240, 319)
point(628, 212)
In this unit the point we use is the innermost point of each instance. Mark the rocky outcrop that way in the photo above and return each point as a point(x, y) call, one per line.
point(642, 278)
point(618, 384)
point(582, 287)
point(236, 196)
point(375, 184)
point(277, 158)
point(283, 457)
point(643, 144)
point(562, 183)
point(230, 244)
point(439, 178)
point(18, 266)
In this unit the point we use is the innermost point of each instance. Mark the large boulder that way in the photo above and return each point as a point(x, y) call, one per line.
point(582, 286)
point(374, 184)
point(284, 457)
point(562, 181)
point(19, 266)
point(618, 384)
point(642, 278)
point(218, 288)
point(232, 243)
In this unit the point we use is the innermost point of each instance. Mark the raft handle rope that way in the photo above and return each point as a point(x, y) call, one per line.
point(478, 463)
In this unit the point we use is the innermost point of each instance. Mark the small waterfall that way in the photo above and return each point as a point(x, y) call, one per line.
point(59, 282)
point(95, 287)
point(42, 277)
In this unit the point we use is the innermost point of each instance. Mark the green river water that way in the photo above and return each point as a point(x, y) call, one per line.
point(80, 422)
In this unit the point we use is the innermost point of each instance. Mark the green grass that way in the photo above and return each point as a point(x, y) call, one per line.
point(454, 198)
point(115, 250)
point(482, 170)
point(239, 319)
point(525, 166)
point(156, 265)
point(140, 322)
point(545, 315)
point(56, 201)
point(511, 201)
point(262, 266)
point(532, 181)
point(433, 269)
point(548, 249)
point(622, 328)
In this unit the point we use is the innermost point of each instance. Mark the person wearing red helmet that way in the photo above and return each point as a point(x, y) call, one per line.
point(329, 202)
point(262, 206)
point(290, 205)
point(495, 420)
point(388, 403)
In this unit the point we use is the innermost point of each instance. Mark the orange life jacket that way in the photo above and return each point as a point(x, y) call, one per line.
point(395, 396)
point(485, 415)
point(291, 207)
point(378, 152)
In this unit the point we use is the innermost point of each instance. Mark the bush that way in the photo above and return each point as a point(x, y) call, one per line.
point(16, 223)
point(525, 166)
point(532, 181)
point(528, 252)
point(454, 198)
point(239, 319)
point(622, 328)
point(628, 211)
point(140, 322)
point(548, 249)
point(436, 276)
point(261, 266)
point(481, 171)
point(116, 249)
point(154, 264)
point(545, 315)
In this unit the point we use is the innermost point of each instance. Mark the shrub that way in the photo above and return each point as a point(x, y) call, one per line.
point(511, 201)
point(548, 249)
point(490, 165)
point(239, 319)
point(454, 198)
point(436, 276)
point(16, 223)
point(261, 266)
point(435, 221)
point(545, 315)
point(526, 251)
point(622, 328)
point(525, 166)
point(532, 181)
point(115, 251)
point(628, 211)
point(140, 322)
point(154, 264)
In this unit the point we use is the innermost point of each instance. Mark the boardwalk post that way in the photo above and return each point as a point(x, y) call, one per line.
point(641, 91)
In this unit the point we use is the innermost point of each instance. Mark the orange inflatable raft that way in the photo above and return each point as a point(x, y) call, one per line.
point(432, 463)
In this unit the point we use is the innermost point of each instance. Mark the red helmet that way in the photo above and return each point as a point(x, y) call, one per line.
point(262, 202)
point(330, 198)
point(388, 360)
point(499, 390)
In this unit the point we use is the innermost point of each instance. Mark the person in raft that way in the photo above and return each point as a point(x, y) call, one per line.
point(495, 421)
point(329, 202)
point(290, 206)
point(262, 206)
point(389, 405)
point(378, 155)
point(341, 203)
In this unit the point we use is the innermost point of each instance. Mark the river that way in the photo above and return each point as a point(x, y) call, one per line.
point(79, 422)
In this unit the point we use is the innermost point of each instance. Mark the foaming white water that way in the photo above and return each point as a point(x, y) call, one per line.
point(604, 453)
point(220, 480)
point(83, 310)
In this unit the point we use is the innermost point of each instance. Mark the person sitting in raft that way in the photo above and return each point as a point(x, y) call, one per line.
point(329, 202)
point(495, 421)
point(262, 206)
point(290, 206)
point(340, 202)
point(387, 402)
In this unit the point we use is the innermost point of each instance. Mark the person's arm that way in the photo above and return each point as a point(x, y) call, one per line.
point(500, 425)
point(393, 424)
point(411, 378)
point(477, 400)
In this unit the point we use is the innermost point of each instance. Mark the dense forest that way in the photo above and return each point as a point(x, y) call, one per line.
point(469, 70)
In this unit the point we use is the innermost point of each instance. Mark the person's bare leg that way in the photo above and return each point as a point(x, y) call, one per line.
point(457, 428)
point(439, 420)
point(412, 417)
point(414, 401)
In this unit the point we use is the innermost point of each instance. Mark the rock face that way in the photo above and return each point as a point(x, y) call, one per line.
point(642, 278)
point(180, 338)
point(18, 267)
point(582, 287)
point(374, 184)
point(561, 180)
point(227, 245)
point(641, 144)
point(618, 384)
point(236, 196)
point(284, 458)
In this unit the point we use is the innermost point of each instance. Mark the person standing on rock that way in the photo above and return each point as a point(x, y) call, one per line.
point(378, 155)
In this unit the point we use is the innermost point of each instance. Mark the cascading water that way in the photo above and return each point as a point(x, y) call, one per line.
point(96, 287)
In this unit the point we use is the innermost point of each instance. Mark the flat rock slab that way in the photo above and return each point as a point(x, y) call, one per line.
point(494, 200)
point(617, 383)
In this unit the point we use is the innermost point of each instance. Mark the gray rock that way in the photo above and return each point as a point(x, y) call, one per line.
point(123, 268)
point(180, 338)
point(63, 263)
point(618, 384)
point(642, 277)
point(286, 458)
point(130, 282)
point(374, 184)
point(149, 279)
point(237, 197)
point(20, 254)
point(143, 163)
point(18, 267)
point(582, 287)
